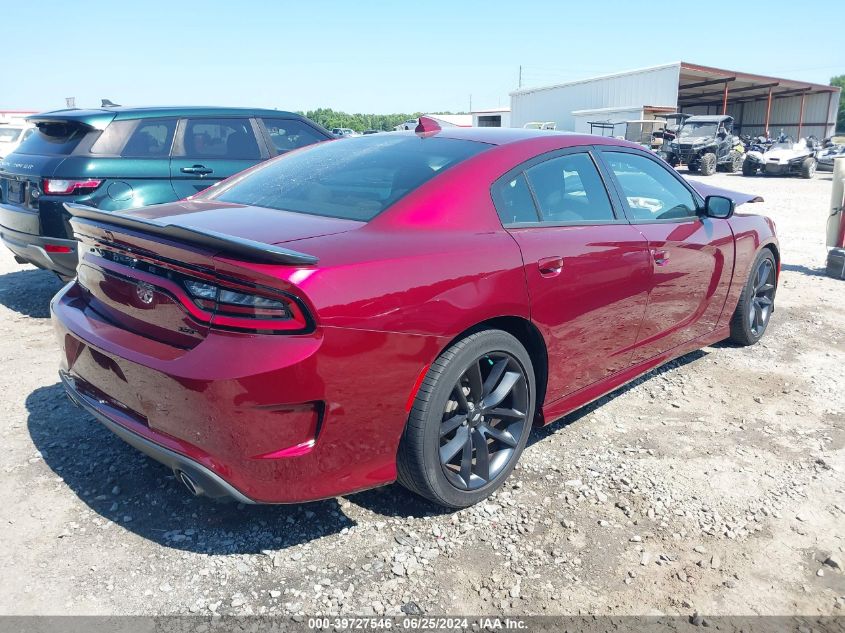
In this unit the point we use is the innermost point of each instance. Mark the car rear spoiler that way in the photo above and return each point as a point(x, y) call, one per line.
point(231, 245)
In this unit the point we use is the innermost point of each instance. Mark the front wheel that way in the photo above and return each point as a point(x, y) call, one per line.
point(707, 164)
point(748, 168)
point(736, 162)
point(757, 301)
point(470, 420)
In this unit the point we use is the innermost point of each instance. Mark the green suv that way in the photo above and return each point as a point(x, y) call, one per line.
point(121, 158)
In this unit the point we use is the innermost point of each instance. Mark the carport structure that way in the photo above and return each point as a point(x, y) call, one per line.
point(759, 104)
point(756, 102)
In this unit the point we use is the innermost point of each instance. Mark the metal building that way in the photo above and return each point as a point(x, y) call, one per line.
point(757, 103)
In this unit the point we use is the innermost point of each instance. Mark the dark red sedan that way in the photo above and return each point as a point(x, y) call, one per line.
point(399, 306)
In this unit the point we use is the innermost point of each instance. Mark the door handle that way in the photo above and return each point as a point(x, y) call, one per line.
point(202, 170)
point(661, 258)
point(550, 266)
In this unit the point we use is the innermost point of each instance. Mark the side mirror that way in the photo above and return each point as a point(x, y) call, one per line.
point(718, 207)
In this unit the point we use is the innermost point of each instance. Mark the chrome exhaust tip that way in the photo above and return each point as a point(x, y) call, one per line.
point(193, 487)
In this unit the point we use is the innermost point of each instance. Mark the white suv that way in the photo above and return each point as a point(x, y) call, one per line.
point(13, 134)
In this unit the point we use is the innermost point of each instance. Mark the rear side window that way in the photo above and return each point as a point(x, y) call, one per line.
point(54, 139)
point(350, 178)
point(219, 138)
point(288, 134)
point(145, 138)
point(514, 202)
point(569, 189)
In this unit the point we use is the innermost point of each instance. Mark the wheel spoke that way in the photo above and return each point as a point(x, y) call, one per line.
point(453, 446)
point(458, 391)
point(447, 426)
point(501, 435)
point(502, 390)
point(762, 275)
point(482, 455)
point(505, 414)
point(494, 376)
point(466, 460)
point(473, 374)
point(767, 287)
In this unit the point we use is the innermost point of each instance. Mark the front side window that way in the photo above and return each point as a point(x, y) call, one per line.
point(651, 190)
point(569, 189)
point(288, 134)
point(354, 179)
point(220, 138)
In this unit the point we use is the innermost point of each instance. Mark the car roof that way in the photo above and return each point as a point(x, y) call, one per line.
point(93, 115)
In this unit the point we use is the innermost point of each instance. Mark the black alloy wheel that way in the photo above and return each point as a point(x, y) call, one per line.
point(470, 420)
point(763, 298)
point(756, 302)
point(483, 421)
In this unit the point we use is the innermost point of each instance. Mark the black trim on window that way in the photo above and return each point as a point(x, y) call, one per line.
point(615, 204)
point(619, 193)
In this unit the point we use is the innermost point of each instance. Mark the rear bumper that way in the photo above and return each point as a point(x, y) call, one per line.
point(33, 248)
point(276, 418)
point(211, 484)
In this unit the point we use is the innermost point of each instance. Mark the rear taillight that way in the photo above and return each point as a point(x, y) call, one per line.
point(244, 310)
point(233, 308)
point(61, 187)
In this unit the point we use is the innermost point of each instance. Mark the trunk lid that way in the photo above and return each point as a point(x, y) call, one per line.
point(259, 224)
point(137, 268)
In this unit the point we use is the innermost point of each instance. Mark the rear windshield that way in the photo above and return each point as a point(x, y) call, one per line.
point(9, 134)
point(53, 139)
point(354, 178)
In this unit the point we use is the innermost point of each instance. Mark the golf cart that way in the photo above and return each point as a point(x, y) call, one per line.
point(704, 144)
point(784, 158)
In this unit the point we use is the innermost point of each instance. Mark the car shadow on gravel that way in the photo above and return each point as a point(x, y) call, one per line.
point(540, 434)
point(28, 292)
point(137, 493)
point(805, 270)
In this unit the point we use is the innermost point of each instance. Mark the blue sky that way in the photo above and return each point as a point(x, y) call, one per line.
point(383, 57)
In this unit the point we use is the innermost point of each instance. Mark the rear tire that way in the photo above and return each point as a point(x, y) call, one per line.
point(748, 169)
point(808, 167)
point(707, 164)
point(455, 450)
point(736, 162)
point(757, 301)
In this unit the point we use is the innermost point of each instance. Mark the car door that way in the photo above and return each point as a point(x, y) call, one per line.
point(588, 271)
point(209, 149)
point(692, 255)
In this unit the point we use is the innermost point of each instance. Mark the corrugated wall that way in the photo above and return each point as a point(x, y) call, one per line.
point(819, 115)
point(658, 86)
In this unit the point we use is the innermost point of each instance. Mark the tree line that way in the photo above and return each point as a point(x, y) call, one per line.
point(329, 118)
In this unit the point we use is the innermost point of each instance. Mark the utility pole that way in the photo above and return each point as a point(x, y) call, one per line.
point(470, 102)
point(520, 76)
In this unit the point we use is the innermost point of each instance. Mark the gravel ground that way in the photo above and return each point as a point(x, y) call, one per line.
point(714, 484)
